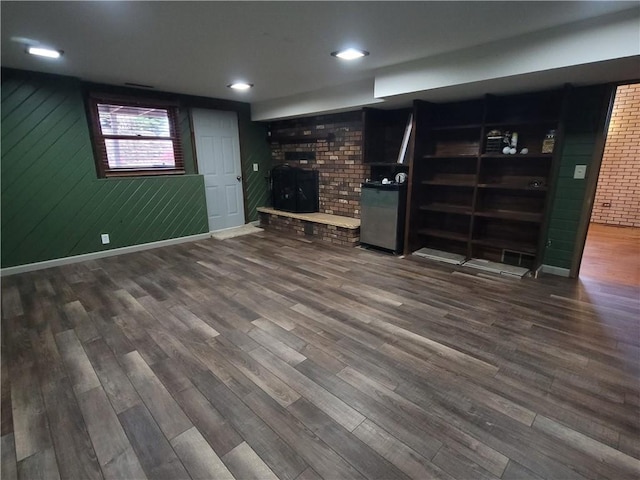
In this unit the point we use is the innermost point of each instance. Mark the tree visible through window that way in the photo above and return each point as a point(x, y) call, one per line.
point(132, 138)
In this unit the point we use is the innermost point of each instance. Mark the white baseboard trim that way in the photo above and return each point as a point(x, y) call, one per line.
point(561, 272)
point(56, 262)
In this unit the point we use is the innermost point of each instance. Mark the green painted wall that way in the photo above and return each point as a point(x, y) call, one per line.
point(253, 144)
point(53, 205)
point(254, 148)
point(585, 122)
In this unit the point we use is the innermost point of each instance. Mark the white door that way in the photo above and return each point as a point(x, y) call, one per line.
point(218, 153)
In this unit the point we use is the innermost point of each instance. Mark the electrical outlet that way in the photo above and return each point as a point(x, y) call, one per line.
point(105, 238)
point(606, 204)
point(580, 172)
point(255, 167)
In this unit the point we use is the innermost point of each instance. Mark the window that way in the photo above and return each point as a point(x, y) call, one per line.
point(134, 137)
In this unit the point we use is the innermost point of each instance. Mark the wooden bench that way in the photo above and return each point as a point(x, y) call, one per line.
point(334, 229)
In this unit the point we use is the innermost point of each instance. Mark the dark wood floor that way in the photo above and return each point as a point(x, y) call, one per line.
point(267, 357)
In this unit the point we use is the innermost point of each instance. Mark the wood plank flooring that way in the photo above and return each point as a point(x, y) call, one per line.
point(612, 254)
point(264, 357)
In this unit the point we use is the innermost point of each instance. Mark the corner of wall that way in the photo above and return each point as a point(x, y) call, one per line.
point(584, 126)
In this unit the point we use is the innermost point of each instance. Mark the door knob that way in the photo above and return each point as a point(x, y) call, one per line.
point(238, 178)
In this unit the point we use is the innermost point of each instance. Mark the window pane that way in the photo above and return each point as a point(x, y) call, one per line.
point(134, 121)
point(140, 153)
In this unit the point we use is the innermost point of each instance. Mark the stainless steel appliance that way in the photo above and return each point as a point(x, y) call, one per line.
point(383, 208)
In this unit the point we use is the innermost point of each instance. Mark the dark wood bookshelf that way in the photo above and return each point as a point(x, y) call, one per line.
point(512, 186)
point(449, 183)
point(447, 208)
point(449, 235)
point(518, 156)
point(506, 244)
point(522, 123)
point(535, 217)
point(497, 204)
point(383, 132)
point(450, 157)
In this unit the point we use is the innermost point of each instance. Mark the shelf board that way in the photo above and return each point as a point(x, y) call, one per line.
point(510, 215)
point(522, 123)
point(517, 156)
point(433, 232)
point(452, 157)
point(512, 186)
point(446, 208)
point(448, 183)
point(524, 247)
point(285, 139)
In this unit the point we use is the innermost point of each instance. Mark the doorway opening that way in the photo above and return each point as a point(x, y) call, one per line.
point(612, 249)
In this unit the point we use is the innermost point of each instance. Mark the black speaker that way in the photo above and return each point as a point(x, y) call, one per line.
point(294, 189)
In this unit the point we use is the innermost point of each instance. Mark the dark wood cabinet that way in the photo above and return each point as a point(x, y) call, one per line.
point(382, 138)
point(383, 134)
point(468, 197)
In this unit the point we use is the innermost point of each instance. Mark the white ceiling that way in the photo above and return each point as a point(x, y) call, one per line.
point(281, 47)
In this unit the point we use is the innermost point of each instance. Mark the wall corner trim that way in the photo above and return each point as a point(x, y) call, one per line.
point(57, 262)
point(561, 272)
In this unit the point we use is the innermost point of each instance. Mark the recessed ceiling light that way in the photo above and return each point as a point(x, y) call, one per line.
point(240, 86)
point(350, 53)
point(44, 52)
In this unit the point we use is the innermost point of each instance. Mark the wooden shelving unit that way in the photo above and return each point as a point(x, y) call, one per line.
point(446, 234)
point(446, 208)
point(449, 183)
point(467, 197)
point(498, 242)
point(451, 156)
point(535, 217)
point(531, 186)
point(382, 139)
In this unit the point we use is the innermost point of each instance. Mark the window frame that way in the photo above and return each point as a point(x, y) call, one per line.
point(99, 144)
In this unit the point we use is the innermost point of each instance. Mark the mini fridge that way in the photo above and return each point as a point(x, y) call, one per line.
point(382, 212)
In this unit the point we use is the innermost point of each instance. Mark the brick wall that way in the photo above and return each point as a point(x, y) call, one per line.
point(619, 181)
point(339, 161)
point(348, 237)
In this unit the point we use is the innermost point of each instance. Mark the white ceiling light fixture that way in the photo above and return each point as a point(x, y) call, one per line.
point(240, 86)
point(44, 52)
point(350, 53)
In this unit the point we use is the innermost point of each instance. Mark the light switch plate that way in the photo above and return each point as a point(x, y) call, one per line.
point(255, 167)
point(580, 172)
point(105, 238)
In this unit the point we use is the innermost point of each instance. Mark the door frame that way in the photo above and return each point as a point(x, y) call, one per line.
point(592, 180)
point(196, 161)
